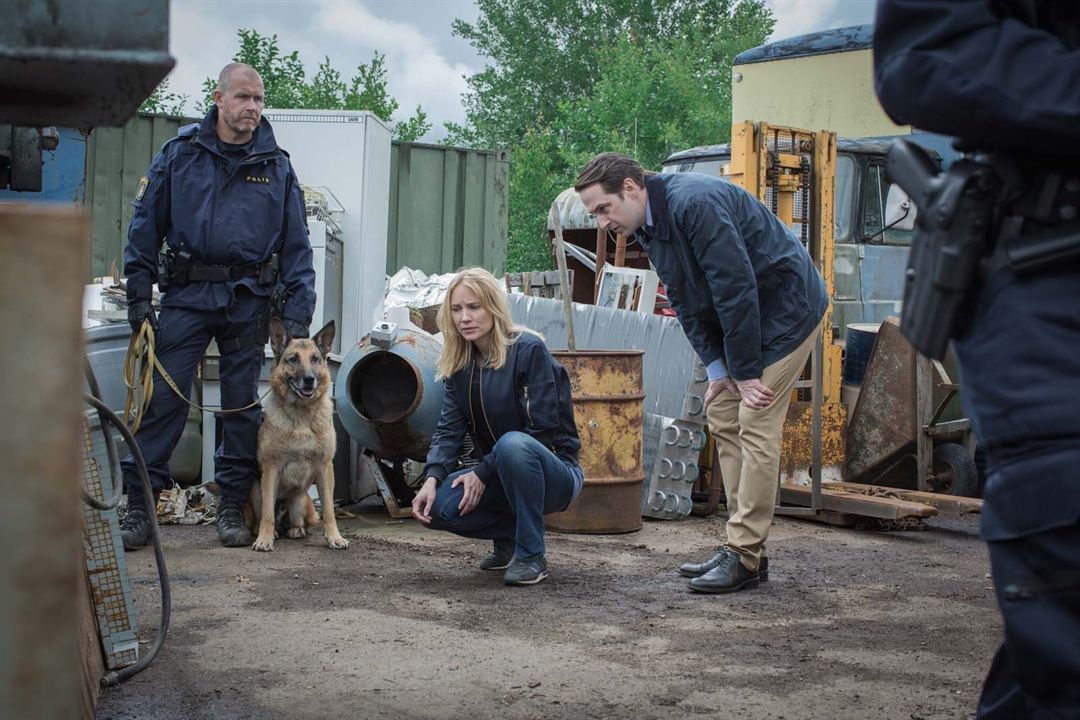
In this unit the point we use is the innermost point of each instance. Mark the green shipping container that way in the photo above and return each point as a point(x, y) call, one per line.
point(448, 206)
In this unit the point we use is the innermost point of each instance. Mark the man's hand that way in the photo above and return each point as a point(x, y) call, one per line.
point(474, 488)
point(423, 500)
point(755, 395)
point(139, 310)
point(718, 386)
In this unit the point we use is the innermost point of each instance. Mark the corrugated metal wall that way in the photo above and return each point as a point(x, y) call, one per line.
point(448, 206)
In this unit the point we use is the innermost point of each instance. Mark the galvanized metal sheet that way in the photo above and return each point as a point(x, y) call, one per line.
point(668, 360)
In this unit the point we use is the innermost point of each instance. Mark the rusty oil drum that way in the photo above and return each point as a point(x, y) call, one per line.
point(606, 386)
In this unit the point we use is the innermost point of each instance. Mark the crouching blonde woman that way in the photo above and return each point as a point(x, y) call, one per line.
point(506, 391)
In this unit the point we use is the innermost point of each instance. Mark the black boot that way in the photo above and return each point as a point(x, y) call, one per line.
point(727, 577)
point(231, 529)
point(135, 527)
point(693, 570)
point(500, 557)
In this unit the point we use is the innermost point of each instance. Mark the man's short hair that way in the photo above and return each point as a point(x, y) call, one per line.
point(610, 169)
point(230, 71)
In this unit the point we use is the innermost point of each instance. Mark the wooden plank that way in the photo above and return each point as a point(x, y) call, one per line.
point(841, 501)
point(952, 504)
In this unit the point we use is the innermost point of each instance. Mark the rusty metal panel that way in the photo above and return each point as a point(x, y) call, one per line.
point(796, 452)
point(883, 425)
point(606, 386)
point(448, 208)
point(42, 263)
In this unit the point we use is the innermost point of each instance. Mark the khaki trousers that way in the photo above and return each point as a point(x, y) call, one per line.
point(748, 442)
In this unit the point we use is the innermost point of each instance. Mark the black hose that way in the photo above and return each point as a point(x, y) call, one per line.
point(116, 677)
point(110, 449)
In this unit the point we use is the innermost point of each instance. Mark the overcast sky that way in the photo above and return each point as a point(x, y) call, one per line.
point(426, 64)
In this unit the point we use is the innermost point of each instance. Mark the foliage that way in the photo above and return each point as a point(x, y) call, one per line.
point(164, 101)
point(568, 78)
point(286, 85)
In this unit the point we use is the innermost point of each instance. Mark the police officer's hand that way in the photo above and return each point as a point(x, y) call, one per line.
point(754, 394)
point(139, 310)
point(295, 329)
point(423, 500)
point(718, 386)
point(474, 488)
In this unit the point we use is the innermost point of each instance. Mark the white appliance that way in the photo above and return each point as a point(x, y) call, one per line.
point(327, 249)
point(349, 152)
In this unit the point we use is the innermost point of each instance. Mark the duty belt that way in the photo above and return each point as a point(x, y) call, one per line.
point(178, 268)
point(222, 273)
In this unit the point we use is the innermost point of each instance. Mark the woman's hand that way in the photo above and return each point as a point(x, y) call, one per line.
point(474, 488)
point(423, 500)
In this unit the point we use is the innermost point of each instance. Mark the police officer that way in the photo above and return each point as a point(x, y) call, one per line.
point(226, 201)
point(1003, 76)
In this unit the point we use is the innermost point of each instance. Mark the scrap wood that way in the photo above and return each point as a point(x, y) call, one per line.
point(853, 503)
point(953, 504)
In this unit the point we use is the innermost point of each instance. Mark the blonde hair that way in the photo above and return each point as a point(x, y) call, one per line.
point(456, 350)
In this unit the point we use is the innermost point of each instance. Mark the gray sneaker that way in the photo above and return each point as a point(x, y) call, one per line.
point(526, 572)
point(500, 557)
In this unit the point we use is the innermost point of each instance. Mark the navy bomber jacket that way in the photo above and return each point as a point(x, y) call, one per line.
point(530, 393)
point(744, 288)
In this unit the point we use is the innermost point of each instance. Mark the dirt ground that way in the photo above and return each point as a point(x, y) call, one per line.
point(853, 624)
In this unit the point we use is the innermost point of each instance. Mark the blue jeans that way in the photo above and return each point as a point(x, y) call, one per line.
point(531, 481)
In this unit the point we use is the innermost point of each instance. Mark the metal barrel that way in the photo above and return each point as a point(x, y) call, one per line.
point(606, 386)
point(387, 397)
point(860, 343)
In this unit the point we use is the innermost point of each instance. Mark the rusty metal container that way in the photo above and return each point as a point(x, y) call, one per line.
point(608, 398)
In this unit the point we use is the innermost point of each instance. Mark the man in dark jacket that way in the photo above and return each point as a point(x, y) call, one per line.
point(1002, 76)
point(225, 199)
point(751, 302)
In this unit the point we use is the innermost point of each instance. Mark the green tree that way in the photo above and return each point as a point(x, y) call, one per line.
point(286, 84)
point(164, 101)
point(568, 78)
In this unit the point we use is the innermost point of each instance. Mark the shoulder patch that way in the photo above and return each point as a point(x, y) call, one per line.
point(143, 182)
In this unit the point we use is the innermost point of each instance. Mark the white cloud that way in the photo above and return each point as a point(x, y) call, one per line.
point(798, 17)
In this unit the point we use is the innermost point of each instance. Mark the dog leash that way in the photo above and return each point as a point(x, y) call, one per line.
point(141, 378)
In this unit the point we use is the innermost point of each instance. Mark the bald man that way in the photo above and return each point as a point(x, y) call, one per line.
point(224, 200)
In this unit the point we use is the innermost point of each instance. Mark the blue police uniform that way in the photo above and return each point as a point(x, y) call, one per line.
point(228, 207)
point(1001, 75)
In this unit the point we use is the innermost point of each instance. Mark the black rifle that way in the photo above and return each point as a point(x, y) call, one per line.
point(954, 230)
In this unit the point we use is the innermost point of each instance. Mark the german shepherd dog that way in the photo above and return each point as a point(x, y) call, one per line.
point(296, 441)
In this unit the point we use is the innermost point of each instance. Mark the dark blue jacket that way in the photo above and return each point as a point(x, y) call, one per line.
point(744, 288)
point(530, 393)
point(223, 211)
point(1003, 74)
